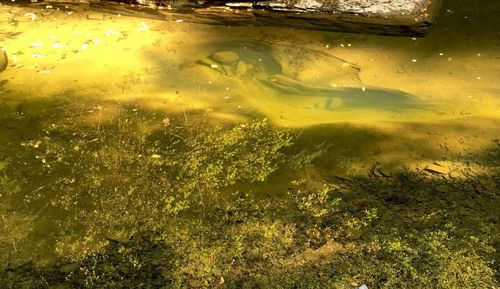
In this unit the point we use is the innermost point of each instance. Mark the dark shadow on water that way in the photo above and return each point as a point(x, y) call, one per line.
point(405, 202)
point(407, 205)
point(354, 97)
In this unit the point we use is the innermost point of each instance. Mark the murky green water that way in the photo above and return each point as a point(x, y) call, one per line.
point(92, 112)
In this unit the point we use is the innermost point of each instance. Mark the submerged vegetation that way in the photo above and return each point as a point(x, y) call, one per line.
point(138, 199)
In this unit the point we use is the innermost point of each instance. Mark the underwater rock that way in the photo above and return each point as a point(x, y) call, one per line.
point(3, 60)
point(225, 57)
point(228, 70)
point(241, 68)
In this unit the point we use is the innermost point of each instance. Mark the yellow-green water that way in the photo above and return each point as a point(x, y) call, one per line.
point(411, 88)
point(374, 101)
point(450, 74)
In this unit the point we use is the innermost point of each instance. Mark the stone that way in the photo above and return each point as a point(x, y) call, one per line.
point(436, 169)
point(225, 57)
point(3, 60)
point(228, 70)
point(241, 68)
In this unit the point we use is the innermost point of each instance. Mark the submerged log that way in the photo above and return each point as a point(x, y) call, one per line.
point(386, 17)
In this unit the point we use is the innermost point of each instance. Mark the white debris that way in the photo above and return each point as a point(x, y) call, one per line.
point(143, 27)
point(84, 46)
point(111, 32)
point(37, 44)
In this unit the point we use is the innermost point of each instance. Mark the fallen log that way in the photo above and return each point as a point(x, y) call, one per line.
point(385, 17)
